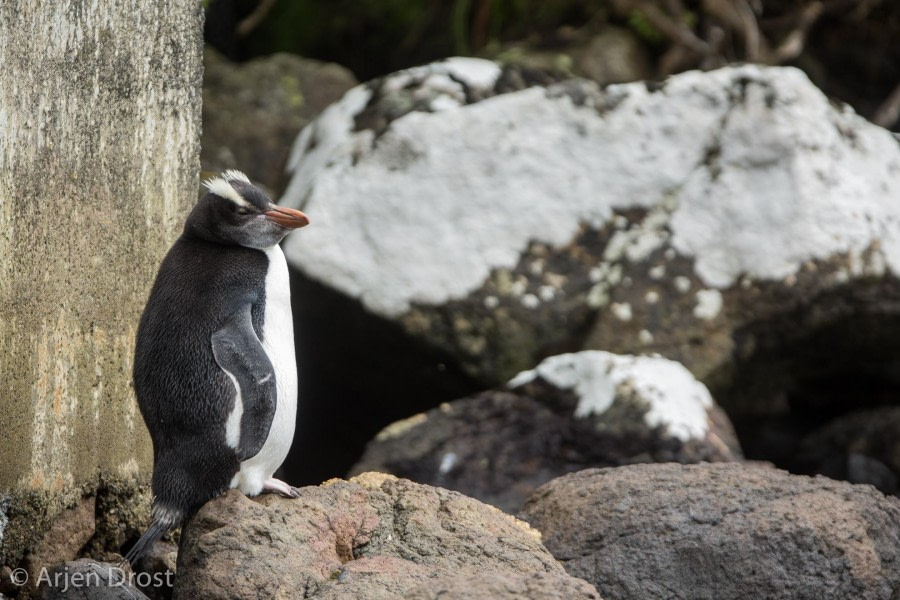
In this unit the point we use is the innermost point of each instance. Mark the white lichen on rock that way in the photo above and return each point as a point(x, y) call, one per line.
point(4, 520)
point(448, 461)
point(709, 304)
point(675, 399)
point(750, 169)
point(530, 301)
point(645, 337)
point(327, 139)
point(621, 311)
point(682, 284)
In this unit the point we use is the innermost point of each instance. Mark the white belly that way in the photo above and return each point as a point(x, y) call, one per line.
point(278, 342)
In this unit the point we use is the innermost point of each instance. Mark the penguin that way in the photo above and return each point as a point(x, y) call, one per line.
point(214, 369)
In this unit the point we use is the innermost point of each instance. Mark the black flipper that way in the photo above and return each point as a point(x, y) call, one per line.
point(239, 352)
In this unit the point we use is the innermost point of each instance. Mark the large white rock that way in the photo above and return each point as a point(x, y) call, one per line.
point(752, 170)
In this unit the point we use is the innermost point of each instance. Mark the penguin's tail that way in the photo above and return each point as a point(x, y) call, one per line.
point(163, 521)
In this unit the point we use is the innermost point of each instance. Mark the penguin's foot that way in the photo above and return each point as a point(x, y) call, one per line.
point(279, 487)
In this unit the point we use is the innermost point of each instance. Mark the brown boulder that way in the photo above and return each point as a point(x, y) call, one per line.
point(536, 586)
point(372, 537)
point(69, 532)
point(720, 531)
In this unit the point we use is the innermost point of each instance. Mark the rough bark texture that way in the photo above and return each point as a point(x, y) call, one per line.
point(99, 122)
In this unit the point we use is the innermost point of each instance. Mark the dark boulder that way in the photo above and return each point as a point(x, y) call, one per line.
point(574, 411)
point(720, 531)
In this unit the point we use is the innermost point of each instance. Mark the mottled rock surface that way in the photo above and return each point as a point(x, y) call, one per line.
point(372, 537)
point(62, 542)
point(501, 586)
point(5, 501)
point(720, 531)
point(589, 409)
point(253, 111)
point(666, 218)
point(85, 579)
point(736, 221)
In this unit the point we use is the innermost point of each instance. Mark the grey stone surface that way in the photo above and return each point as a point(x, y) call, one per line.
point(372, 537)
point(100, 118)
point(720, 531)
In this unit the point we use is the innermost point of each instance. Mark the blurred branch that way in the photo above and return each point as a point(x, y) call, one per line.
point(417, 32)
point(889, 111)
point(715, 35)
point(459, 26)
point(246, 26)
point(677, 58)
point(725, 20)
point(671, 26)
point(863, 7)
point(480, 26)
point(793, 44)
point(739, 17)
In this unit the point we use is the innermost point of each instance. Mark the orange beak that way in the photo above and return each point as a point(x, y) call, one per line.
point(287, 217)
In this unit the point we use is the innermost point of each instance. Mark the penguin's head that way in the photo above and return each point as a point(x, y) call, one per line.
point(234, 211)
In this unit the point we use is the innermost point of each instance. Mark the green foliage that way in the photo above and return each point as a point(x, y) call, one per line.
point(459, 25)
point(691, 19)
point(644, 28)
point(332, 28)
point(377, 36)
point(648, 32)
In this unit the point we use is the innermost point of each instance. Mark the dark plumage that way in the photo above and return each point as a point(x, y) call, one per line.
point(208, 381)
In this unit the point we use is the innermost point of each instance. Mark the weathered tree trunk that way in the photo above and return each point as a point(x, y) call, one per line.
point(99, 130)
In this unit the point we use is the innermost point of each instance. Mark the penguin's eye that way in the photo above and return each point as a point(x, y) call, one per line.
point(237, 208)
